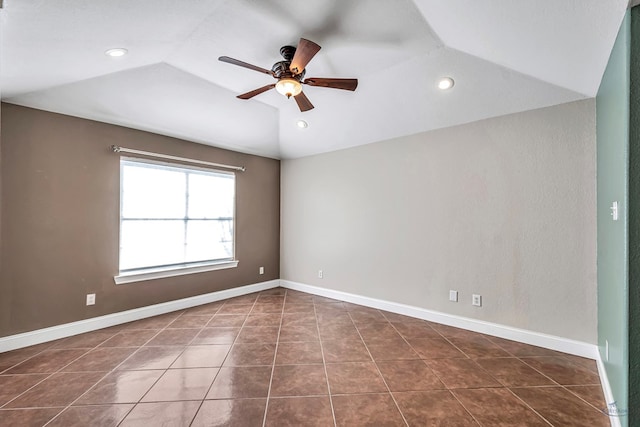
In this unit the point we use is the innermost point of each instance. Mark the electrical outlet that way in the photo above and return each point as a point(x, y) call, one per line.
point(261, 270)
point(320, 274)
point(476, 300)
point(453, 296)
point(91, 299)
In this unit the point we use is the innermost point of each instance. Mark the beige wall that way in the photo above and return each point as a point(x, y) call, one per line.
point(60, 213)
point(503, 207)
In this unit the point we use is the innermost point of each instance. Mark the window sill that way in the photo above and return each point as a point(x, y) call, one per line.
point(139, 276)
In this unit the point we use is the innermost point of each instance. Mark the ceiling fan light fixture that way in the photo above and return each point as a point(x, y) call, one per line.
point(290, 74)
point(288, 87)
point(445, 83)
point(116, 52)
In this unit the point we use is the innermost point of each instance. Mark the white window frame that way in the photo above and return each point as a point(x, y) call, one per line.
point(151, 273)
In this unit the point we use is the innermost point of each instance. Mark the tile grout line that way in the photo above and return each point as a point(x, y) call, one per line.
point(435, 373)
point(113, 370)
point(3, 407)
point(468, 358)
point(563, 386)
point(273, 365)
point(529, 406)
point(324, 363)
point(492, 376)
point(191, 341)
point(555, 384)
point(5, 372)
point(520, 358)
point(89, 349)
point(566, 387)
point(378, 369)
point(158, 379)
point(225, 358)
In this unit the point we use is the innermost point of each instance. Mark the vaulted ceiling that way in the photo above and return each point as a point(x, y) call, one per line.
point(505, 57)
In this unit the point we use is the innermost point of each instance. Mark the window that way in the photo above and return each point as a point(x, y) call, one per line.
point(174, 217)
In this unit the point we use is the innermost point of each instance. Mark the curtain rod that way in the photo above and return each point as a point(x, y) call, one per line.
point(117, 149)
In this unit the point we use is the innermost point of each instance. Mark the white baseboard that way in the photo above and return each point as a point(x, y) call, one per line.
point(529, 337)
point(552, 342)
point(26, 339)
point(608, 394)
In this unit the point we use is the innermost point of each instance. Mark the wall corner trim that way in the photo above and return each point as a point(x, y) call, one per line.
point(607, 391)
point(552, 342)
point(38, 336)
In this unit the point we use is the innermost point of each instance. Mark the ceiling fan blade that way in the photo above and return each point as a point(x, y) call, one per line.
point(303, 102)
point(245, 65)
point(255, 92)
point(304, 52)
point(346, 84)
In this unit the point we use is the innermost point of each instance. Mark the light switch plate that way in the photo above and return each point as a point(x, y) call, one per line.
point(614, 211)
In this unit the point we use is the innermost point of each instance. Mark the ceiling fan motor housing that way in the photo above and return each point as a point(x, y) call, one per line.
point(287, 52)
point(281, 69)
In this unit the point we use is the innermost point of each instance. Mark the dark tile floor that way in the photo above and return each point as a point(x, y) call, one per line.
point(286, 358)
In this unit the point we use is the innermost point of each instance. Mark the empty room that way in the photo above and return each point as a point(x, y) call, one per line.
point(320, 213)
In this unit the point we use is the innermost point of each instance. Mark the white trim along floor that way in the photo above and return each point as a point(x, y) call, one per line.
point(515, 334)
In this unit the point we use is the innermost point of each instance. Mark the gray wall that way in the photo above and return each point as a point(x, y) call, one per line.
point(612, 113)
point(504, 207)
point(60, 219)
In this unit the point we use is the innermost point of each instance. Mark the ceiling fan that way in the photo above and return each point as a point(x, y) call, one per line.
point(290, 74)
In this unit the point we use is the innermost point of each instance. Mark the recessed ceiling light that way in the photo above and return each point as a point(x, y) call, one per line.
point(302, 124)
point(116, 52)
point(445, 83)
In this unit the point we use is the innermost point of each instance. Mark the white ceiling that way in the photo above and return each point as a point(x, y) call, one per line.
point(506, 56)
